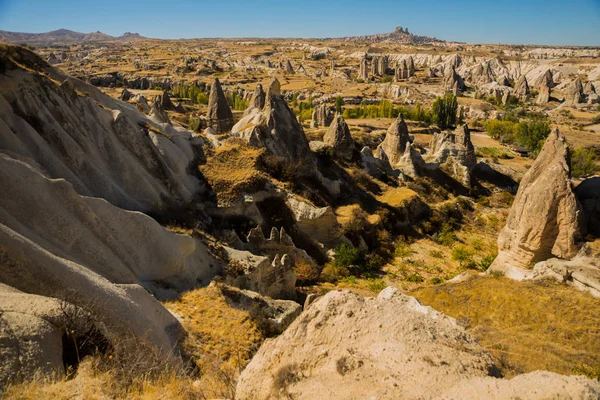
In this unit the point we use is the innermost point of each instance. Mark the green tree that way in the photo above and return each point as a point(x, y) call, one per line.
point(583, 162)
point(532, 135)
point(444, 111)
point(339, 102)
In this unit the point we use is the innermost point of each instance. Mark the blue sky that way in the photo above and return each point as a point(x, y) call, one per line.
point(565, 22)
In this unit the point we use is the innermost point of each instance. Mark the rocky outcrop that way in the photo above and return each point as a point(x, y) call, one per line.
point(588, 194)
point(142, 103)
point(318, 223)
point(158, 113)
point(104, 147)
point(453, 82)
point(411, 163)
point(287, 67)
point(276, 128)
point(258, 99)
point(70, 156)
point(339, 138)
point(275, 279)
point(454, 153)
point(574, 93)
point(125, 95)
point(274, 315)
point(322, 116)
point(363, 70)
point(393, 146)
point(589, 88)
point(279, 243)
point(219, 114)
point(545, 219)
point(375, 66)
point(521, 90)
point(345, 346)
point(543, 96)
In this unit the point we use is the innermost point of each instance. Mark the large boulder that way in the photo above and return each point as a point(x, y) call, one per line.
point(339, 138)
point(345, 346)
point(545, 219)
point(219, 114)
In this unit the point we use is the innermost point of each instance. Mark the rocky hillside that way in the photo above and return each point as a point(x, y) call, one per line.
point(63, 36)
point(399, 35)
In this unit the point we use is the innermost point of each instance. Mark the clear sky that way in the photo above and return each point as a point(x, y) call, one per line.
point(564, 22)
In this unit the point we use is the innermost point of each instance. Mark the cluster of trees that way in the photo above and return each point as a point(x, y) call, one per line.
point(529, 134)
point(583, 162)
point(190, 91)
point(237, 103)
point(445, 111)
point(385, 109)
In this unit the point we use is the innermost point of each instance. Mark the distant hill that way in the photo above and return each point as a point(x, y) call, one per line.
point(399, 35)
point(63, 36)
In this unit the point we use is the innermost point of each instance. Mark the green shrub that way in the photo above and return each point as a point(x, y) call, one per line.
point(445, 236)
point(437, 280)
point(486, 262)
point(532, 135)
point(377, 285)
point(346, 255)
point(436, 254)
point(402, 250)
point(415, 277)
point(462, 254)
point(583, 162)
point(332, 273)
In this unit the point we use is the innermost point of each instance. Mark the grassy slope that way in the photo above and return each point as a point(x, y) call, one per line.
point(526, 326)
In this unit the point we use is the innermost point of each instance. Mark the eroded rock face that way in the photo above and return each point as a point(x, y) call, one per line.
point(339, 138)
point(105, 148)
point(522, 91)
point(454, 153)
point(574, 94)
point(348, 347)
point(258, 99)
point(322, 116)
point(453, 81)
point(545, 219)
point(277, 315)
point(393, 146)
point(363, 70)
point(275, 279)
point(276, 128)
point(219, 114)
point(158, 113)
point(67, 163)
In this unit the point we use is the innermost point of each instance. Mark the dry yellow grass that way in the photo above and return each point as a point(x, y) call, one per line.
point(233, 170)
point(526, 326)
point(91, 384)
point(221, 340)
point(397, 197)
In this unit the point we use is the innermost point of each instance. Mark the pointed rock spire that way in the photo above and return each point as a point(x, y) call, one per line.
point(393, 146)
point(339, 138)
point(545, 219)
point(219, 114)
point(258, 98)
